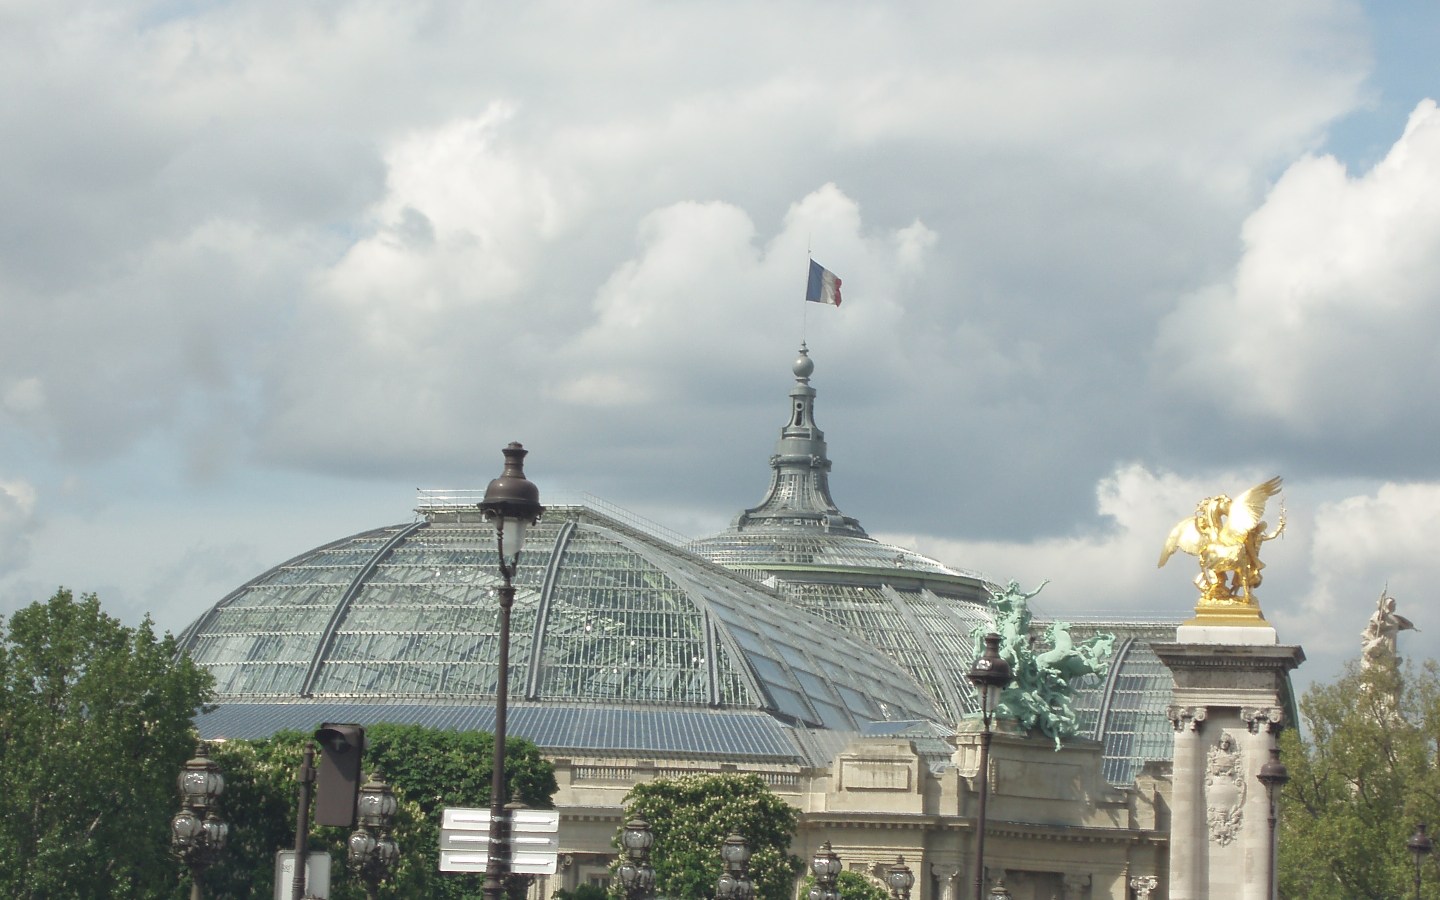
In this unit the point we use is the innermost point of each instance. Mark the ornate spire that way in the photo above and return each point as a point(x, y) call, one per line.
point(799, 495)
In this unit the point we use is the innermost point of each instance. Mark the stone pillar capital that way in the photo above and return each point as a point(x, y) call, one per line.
point(1186, 718)
point(1263, 719)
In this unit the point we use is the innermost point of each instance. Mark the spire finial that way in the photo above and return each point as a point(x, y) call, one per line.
point(799, 494)
point(804, 365)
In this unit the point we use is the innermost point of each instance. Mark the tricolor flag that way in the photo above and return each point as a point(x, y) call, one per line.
point(824, 286)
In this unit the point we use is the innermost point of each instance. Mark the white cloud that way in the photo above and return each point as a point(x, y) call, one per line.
point(1333, 316)
point(1362, 544)
point(17, 523)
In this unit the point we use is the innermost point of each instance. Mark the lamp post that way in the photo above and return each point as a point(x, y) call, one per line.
point(637, 879)
point(513, 503)
point(1274, 776)
point(1419, 846)
point(197, 833)
point(990, 674)
point(371, 851)
point(734, 882)
point(825, 865)
point(900, 880)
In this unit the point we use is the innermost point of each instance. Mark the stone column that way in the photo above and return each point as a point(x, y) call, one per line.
point(947, 880)
point(1187, 811)
point(1076, 886)
point(1234, 679)
point(1264, 723)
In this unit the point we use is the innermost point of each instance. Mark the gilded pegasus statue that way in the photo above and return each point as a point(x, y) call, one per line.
point(1225, 535)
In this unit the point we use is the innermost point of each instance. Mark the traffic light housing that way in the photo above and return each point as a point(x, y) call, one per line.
point(337, 777)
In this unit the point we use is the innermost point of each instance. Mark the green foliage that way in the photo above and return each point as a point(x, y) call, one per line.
point(581, 892)
point(95, 722)
point(851, 886)
point(1359, 782)
point(429, 769)
point(691, 816)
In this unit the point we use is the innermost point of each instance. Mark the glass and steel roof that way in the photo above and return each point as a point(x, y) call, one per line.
point(605, 614)
point(1127, 709)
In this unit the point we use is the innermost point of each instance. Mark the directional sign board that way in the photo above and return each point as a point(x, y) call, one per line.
point(534, 840)
point(317, 874)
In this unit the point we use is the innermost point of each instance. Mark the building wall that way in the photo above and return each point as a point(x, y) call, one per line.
point(1057, 831)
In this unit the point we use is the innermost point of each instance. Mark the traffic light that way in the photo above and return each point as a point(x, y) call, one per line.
point(338, 775)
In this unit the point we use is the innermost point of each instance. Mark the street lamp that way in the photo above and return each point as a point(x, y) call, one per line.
point(372, 852)
point(1419, 846)
point(1274, 776)
point(197, 833)
point(990, 674)
point(637, 878)
point(513, 503)
point(734, 883)
point(825, 865)
point(900, 880)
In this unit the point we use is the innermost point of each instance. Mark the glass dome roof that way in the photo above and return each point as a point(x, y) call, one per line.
point(605, 614)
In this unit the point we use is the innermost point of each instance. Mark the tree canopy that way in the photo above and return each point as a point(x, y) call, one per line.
point(428, 769)
point(1361, 778)
point(95, 722)
point(692, 815)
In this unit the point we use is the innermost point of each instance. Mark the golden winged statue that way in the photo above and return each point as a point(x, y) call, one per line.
point(1225, 535)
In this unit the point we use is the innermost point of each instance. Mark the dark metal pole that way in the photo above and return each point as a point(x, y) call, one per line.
point(497, 866)
point(1420, 846)
point(195, 883)
point(306, 777)
point(984, 797)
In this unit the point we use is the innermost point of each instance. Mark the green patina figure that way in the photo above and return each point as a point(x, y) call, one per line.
point(1039, 696)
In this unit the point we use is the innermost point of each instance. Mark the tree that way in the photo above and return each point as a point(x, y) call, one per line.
point(692, 815)
point(428, 769)
point(95, 722)
point(1361, 777)
point(850, 886)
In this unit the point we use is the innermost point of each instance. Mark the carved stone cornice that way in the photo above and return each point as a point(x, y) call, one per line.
point(1247, 657)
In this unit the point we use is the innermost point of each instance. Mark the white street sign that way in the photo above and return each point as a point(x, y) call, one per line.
point(317, 875)
point(534, 840)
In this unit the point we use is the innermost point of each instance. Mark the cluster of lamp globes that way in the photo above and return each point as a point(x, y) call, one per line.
point(198, 834)
point(371, 852)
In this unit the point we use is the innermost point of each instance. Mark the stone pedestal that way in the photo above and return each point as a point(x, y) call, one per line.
point(1231, 693)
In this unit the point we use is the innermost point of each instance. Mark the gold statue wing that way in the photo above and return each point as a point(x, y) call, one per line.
point(1247, 509)
point(1184, 536)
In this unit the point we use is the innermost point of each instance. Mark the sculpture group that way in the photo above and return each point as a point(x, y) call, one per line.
point(1225, 536)
point(1040, 693)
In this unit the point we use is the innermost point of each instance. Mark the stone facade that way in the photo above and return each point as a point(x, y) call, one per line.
point(1057, 830)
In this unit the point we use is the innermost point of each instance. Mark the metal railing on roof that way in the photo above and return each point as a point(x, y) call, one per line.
point(439, 500)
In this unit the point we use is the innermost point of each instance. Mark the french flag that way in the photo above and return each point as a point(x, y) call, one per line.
point(824, 286)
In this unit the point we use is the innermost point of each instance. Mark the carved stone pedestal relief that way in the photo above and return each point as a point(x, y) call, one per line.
point(1225, 790)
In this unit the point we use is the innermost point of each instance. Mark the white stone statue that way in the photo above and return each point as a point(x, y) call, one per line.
point(1378, 640)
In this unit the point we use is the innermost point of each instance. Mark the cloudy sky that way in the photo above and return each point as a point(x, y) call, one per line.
point(267, 267)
